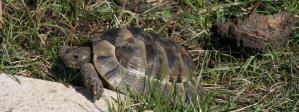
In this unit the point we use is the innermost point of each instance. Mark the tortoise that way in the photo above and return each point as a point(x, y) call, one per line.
point(124, 59)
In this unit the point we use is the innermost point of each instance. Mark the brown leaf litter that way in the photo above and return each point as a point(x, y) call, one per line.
point(256, 31)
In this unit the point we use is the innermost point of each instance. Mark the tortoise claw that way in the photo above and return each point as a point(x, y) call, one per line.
point(92, 81)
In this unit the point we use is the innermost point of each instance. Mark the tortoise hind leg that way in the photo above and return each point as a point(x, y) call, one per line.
point(92, 81)
point(194, 90)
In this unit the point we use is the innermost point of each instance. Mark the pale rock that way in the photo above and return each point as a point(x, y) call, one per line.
point(35, 95)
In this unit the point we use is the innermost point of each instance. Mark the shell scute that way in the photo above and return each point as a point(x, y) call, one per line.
point(141, 56)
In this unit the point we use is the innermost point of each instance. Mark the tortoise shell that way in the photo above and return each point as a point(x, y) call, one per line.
point(127, 58)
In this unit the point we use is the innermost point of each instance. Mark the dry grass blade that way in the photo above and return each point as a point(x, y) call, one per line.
point(122, 9)
point(169, 21)
point(243, 109)
point(1, 15)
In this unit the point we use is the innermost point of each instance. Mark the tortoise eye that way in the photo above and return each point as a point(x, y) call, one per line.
point(75, 57)
point(130, 40)
point(128, 48)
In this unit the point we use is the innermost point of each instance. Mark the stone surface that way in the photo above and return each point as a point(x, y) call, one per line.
point(34, 95)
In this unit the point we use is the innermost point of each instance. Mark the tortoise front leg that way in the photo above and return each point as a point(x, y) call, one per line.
point(92, 81)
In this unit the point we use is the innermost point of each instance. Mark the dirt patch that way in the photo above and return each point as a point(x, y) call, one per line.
point(256, 31)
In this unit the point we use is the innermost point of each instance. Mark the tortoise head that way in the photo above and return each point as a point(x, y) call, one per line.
point(74, 57)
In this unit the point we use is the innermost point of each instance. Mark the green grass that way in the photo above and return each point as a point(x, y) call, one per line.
point(32, 32)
